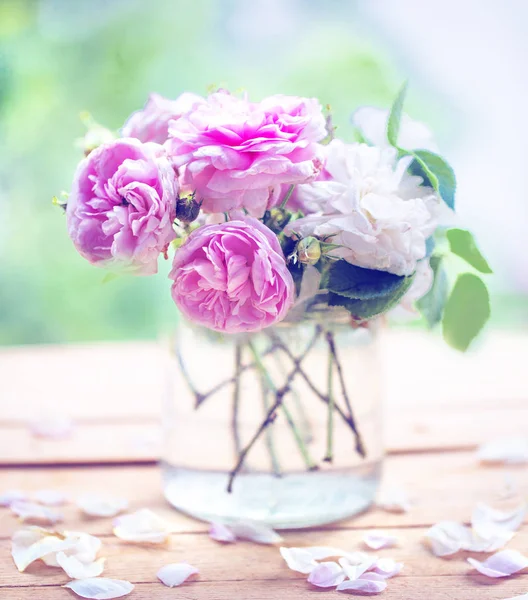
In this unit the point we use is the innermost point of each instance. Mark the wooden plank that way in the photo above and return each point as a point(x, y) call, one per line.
point(432, 397)
point(405, 430)
point(244, 561)
point(92, 381)
point(441, 486)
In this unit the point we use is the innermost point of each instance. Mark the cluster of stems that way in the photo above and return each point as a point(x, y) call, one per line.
point(277, 398)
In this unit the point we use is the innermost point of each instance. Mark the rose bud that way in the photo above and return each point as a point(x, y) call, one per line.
point(308, 251)
point(187, 209)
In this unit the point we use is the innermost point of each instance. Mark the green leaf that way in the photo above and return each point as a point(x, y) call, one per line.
point(432, 304)
point(463, 244)
point(393, 123)
point(466, 311)
point(437, 172)
point(367, 308)
point(356, 282)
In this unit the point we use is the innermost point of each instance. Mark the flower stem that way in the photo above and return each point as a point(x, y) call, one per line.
point(360, 448)
point(324, 398)
point(236, 398)
point(330, 422)
point(288, 196)
point(200, 397)
point(270, 442)
point(310, 464)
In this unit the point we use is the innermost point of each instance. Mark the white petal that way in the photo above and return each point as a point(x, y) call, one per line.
point(76, 569)
point(254, 532)
point(502, 564)
point(510, 451)
point(82, 546)
point(369, 583)
point(10, 496)
point(523, 597)
point(394, 500)
point(142, 526)
point(176, 574)
point(50, 497)
point(35, 513)
point(100, 588)
point(326, 574)
point(357, 563)
point(483, 516)
point(376, 540)
point(34, 543)
point(52, 427)
point(95, 505)
point(387, 567)
point(298, 559)
point(448, 537)
point(221, 533)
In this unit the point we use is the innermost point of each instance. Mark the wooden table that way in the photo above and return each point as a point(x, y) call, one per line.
point(455, 402)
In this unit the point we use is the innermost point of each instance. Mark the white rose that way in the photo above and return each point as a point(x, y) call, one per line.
point(372, 208)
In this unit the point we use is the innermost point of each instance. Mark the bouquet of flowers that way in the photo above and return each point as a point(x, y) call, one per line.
point(270, 217)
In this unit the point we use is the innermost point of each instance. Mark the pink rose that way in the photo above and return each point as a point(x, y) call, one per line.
point(232, 277)
point(122, 206)
point(151, 123)
point(237, 154)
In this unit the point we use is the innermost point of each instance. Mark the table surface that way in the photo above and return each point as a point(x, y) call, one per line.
point(440, 406)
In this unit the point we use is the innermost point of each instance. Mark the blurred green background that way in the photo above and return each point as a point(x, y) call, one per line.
point(60, 58)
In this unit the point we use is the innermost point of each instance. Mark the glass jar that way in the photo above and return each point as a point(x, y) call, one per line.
point(281, 427)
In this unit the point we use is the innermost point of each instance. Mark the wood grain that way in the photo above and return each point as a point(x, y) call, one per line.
point(441, 486)
point(454, 403)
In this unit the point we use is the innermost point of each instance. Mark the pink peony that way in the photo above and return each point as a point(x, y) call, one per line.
point(232, 277)
point(151, 123)
point(238, 154)
point(122, 206)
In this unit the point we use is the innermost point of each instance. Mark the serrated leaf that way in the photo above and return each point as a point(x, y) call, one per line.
point(432, 304)
point(466, 311)
point(463, 244)
point(438, 173)
point(393, 123)
point(359, 283)
point(367, 308)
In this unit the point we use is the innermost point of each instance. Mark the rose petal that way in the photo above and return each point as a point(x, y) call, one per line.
point(376, 540)
point(298, 559)
point(326, 574)
point(221, 533)
point(387, 567)
point(509, 451)
point(142, 526)
point(100, 588)
point(502, 564)
point(322, 552)
point(254, 532)
point(34, 543)
point(448, 537)
point(95, 505)
point(510, 487)
point(76, 569)
point(394, 500)
point(368, 583)
point(357, 563)
point(50, 497)
point(175, 574)
point(83, 546)
point(35, 513)
point(10, 496)
point(483, 516)
point(52, 427)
